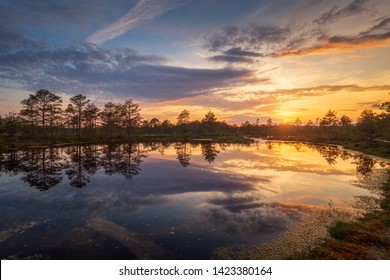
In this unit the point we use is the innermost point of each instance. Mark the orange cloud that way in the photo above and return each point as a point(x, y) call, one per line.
point(338, 45)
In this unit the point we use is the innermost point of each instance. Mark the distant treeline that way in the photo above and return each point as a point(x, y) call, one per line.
point(44, 118)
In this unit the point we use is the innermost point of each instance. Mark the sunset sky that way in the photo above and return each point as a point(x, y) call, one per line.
point(244, 60)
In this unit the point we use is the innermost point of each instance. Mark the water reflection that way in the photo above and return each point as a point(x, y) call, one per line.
point(168, 200)
point(183, 151)
point(210, 151)
point(364, 164)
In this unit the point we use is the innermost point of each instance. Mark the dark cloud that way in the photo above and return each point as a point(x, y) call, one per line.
point(241, 52)
point(236, 55)
point(231, 59)
point(356, 7)
point(89, 68)
point(254, 36)
point(12, 42)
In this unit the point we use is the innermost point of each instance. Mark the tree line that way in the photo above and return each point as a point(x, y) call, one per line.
point(43, 117)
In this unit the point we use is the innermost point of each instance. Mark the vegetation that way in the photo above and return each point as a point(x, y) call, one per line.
point(43, 121)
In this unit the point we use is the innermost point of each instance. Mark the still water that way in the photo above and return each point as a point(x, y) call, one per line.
point(166, 201)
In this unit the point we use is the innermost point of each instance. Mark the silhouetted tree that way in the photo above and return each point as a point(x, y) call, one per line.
point(183, 118)
point(70, 116)
point(209, 121)
point(30, 112)
point(47, 105)
point(11, 125)
point(79, 102)
point(90, 115)
point(183, 121)
point(330, 122)
point(131, 115)
point(110, 116)
point(368, 125)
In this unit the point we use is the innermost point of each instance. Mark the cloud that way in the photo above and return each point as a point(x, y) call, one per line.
point(253, 36)
point(143, 11)
point(12, 42)
point(376, 36)
point(236, 55)
point(119, 72)
point(255, 218)
point(241, 44)
point(356, 7)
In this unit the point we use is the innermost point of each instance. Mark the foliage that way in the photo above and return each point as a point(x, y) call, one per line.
point(42, 119)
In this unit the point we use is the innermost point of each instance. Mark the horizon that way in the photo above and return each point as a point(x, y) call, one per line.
point(241, 60)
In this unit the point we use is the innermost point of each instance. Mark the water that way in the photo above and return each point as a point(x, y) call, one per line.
point(166, 201)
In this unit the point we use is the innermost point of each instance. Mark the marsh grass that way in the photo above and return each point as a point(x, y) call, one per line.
point(297, 239)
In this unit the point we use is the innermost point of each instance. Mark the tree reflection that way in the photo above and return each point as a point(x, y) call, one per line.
point(130, 159)
point(83, 164)
point(123, 159)
point(364, 164)
point(110, 154)
point(329, 153)
point(183, 151)
point(12, 162)
point(43, 169)
point(210, 151)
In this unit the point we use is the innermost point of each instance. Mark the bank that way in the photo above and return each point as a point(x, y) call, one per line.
point(146, 138)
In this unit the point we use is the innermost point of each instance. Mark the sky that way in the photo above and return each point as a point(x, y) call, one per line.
point(243, 60)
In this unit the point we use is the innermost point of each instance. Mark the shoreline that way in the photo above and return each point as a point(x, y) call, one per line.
point(42, 144)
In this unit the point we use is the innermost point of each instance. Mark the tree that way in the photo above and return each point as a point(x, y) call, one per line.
point(330, 119)
point(368, 125)
point(209, 121)
point(166, 126)
point(48, 106)
point(110, 116)
point(297, 122)
point(183, 118)
point(154, 124)
point(132, 117)
point(29, 111)
point(329, 122)
point(345, 121)
point(90, 115)
point(384, 118)
point(183, 121)
point(70, 116)
point(11, 125)
point(79, 102)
